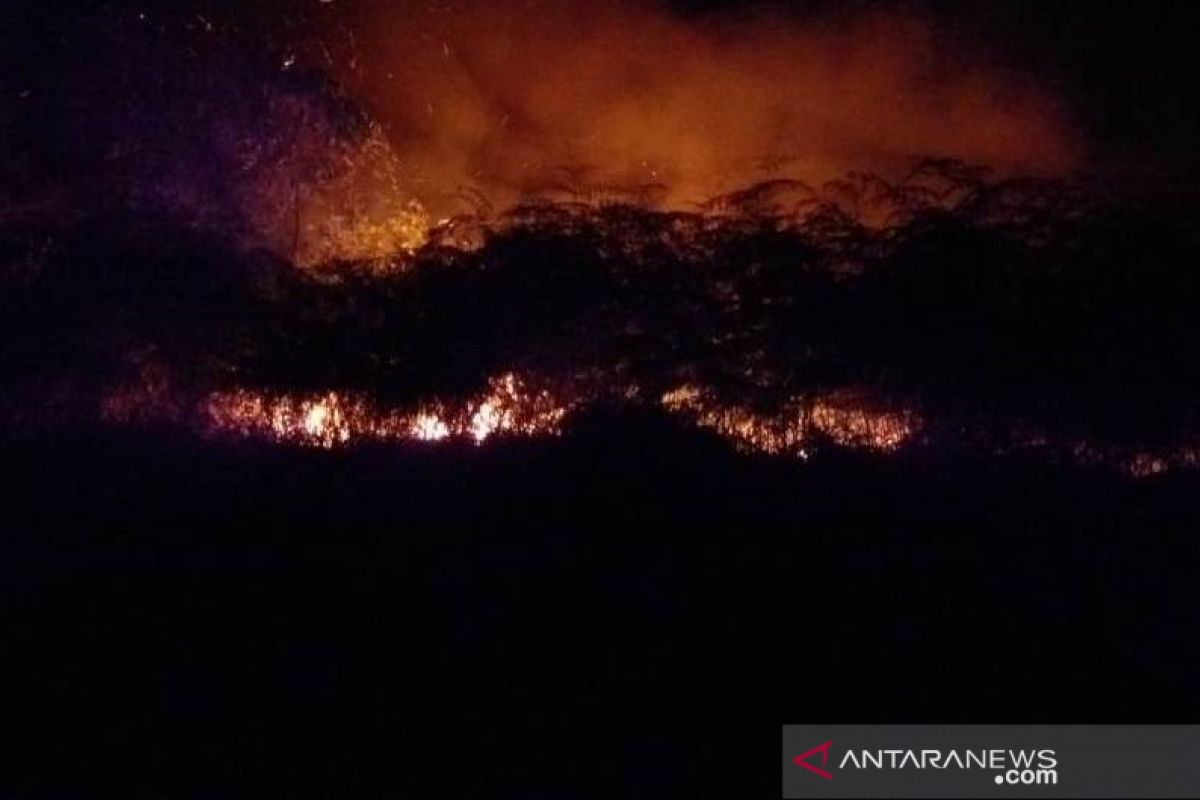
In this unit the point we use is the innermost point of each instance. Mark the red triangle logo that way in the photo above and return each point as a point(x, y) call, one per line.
point(823, 749)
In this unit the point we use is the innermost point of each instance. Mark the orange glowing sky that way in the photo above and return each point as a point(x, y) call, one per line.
point(502, 96)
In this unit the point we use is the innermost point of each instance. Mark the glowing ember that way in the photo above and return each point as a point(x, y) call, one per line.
point(325, 421)
point(429, 427)
point(333, 419)
point(1144, 465)
point(486, 420)
point(862, 426)
point(843, 419)
point(511, 407)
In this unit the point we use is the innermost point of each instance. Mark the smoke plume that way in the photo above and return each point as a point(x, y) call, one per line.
point(523, 97)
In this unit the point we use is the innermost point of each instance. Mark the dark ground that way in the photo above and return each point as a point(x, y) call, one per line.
point(630, 611)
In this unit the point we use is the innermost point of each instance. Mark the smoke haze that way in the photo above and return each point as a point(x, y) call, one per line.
point(516, 98)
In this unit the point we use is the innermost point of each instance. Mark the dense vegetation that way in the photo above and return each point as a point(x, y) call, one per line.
point(162, 172)
point(998, 305)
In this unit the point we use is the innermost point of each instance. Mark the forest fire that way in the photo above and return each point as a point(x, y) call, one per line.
point(333, 419)
point(429, 398)
point(840, 418)
point(663, 200)
point(378, 119)
point(510, 407)
point(490, 103)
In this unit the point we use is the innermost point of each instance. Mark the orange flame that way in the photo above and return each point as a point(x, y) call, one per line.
point(621, 100)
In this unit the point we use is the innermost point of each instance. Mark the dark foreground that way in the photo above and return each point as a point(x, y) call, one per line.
point(629, 612)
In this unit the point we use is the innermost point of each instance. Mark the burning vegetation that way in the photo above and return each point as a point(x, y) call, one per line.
point(508, 407)
point(412, 223)
point(341, 131)
point(949, 309)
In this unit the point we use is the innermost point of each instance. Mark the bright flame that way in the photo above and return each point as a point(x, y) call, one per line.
point(510, 406)
point(429, 427)
point(331, 419)
point(843, 418)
